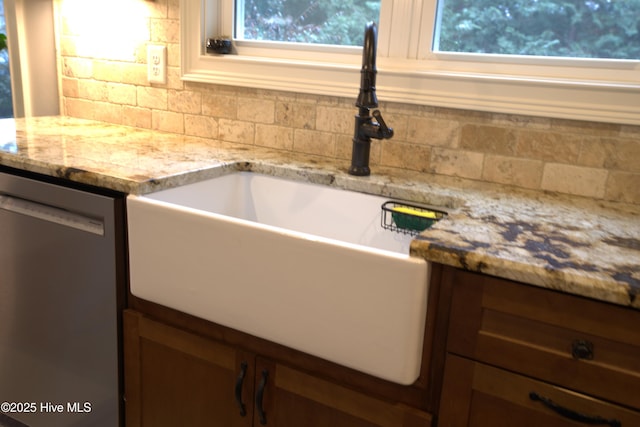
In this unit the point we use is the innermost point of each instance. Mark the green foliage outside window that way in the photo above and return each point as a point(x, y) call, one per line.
point(6, 106)
point(339, 22)
point(571, 28)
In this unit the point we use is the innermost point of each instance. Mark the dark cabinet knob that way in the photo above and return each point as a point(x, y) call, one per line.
point(582, 349)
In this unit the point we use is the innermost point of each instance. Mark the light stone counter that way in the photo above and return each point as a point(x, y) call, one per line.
point(576, 245)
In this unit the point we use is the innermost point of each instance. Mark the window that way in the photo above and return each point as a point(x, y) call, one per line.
point(563, 28)
point(6, 107)
point(32, 59)
point(422, 62)
point(328, 22)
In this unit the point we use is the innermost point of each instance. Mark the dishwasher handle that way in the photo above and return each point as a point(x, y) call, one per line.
point(51, 214)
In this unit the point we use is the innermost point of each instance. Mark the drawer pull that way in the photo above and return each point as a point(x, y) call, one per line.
point(572, 415)
point(582, 349)
point(239, 382)
point(260, 396)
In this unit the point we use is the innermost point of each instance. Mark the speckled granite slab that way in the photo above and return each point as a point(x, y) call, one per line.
point(575, 245)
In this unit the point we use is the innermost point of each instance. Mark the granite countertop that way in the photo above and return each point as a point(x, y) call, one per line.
point(576, 245)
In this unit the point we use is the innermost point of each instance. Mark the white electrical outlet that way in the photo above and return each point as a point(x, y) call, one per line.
point(157, 64)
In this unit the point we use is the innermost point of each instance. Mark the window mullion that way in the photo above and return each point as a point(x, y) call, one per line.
point(404, 25)
point(210, 20)
point(428, 24)
point(384, 27)
point(227, 17)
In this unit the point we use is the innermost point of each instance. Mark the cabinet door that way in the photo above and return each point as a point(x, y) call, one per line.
point(479, 395)
point(286, 397)
point(175, 378)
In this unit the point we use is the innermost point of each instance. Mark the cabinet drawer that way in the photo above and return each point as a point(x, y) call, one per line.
point(475, 394)
point(574, 342)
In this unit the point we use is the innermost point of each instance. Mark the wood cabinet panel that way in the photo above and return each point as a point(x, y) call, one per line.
point(175, 377)
point(480, 395)
point(578, 343)
point(299, 399)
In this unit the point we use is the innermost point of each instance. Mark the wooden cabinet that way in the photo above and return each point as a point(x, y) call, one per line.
point(293, 398)
point(179, 377)
point(527, 356)
point(175, 378)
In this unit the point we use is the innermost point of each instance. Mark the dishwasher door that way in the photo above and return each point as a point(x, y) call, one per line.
point(59, 352)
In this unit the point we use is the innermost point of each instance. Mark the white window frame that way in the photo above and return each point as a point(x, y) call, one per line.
point(408, 70)
point(32, 58)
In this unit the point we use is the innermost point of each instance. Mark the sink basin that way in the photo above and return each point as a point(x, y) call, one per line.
point(303, 265)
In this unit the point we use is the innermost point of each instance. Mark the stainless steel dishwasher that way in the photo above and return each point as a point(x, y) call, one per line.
point(60, 268)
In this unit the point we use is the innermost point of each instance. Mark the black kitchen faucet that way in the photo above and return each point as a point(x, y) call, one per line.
point(365, 127)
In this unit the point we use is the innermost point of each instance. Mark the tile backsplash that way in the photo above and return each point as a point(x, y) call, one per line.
point(596, 160)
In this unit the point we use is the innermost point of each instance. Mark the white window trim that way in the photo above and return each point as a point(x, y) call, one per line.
point(593, 90)
point(32, 58)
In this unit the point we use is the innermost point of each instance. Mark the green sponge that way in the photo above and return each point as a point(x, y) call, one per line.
point(409, 218)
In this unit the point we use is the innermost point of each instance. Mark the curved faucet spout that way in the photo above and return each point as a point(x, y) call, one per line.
point(367, 97)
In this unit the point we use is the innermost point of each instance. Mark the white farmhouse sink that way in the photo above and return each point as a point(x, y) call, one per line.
point(303, 265)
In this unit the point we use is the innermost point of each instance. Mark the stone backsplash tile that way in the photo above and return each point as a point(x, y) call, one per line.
point(236, 131)
point(464, 164)
point(256, 110)
point(593, 152)
point(108, 71)
point(623, 187)
point(524, 173)
point(549, 146)
point(489, 139)
point(344, 147)
point(136, 117)
point(107, 112)
point(80, 68)
point(167, 121)
point(314, 142)
point(406, 156)
point(118, 93)
point(400, 124)
point(152, 97)
point(622, 154)
point(198, 125)
point(335, 119)
point(432, 132)
point(219, 105)
point(580, 181)
point(184, 101)
point(296, 115)
point(273, 136)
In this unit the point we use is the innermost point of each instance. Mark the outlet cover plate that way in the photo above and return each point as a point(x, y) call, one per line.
point(157, 64)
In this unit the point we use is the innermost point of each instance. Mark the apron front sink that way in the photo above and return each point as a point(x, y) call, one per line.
point(303, 265)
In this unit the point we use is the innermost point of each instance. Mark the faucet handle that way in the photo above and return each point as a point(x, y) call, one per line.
point(385, 130)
